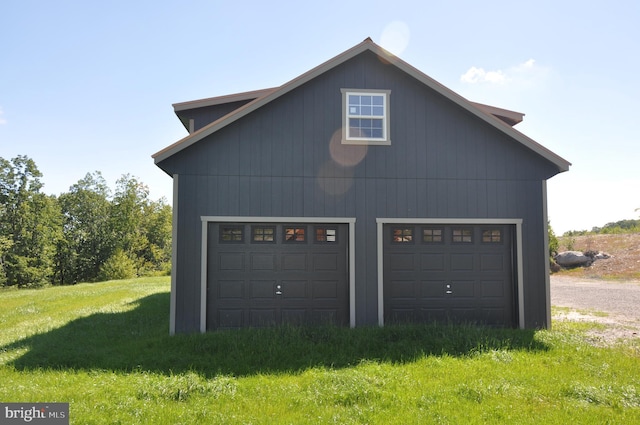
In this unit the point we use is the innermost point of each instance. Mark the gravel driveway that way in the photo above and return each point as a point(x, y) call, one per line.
point(616, 305)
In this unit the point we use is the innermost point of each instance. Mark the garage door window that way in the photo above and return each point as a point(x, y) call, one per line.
point(462, 236)
point(402, 234)
point(295, 234)
point(263, 234)
point(231, 234)
point(432, 235)
point(326, 235)
point(492, 236)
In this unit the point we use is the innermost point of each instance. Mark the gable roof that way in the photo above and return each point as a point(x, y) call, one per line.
point(262, 97)
point(510, 117)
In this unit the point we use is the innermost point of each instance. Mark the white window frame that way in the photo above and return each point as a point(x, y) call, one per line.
point(349, 140)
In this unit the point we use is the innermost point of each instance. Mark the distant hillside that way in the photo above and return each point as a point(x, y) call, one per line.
point(618, 227)
point(623, 247)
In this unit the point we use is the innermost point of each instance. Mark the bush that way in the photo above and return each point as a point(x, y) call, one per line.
point(118, 266)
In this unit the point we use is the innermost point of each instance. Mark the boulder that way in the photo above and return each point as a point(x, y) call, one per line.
point(573, 259)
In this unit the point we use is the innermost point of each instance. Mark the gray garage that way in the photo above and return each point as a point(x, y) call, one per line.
point(362, 192)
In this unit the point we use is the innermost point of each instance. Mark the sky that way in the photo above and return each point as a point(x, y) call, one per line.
point(88, 86)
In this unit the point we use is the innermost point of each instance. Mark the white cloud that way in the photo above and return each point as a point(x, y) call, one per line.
point(522, 72)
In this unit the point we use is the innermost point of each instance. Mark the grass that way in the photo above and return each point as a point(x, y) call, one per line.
point(105, 349)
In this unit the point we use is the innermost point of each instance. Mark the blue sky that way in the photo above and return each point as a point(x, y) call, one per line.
point(88, 86)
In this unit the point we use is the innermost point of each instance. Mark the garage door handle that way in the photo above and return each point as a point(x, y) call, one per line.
point(448, 291)
point(278, 289)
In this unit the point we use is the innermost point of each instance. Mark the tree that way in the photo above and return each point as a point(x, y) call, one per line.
point(30, 225)
point(88, 239)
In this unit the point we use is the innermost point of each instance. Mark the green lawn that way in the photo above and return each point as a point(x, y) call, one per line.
point(105, 349)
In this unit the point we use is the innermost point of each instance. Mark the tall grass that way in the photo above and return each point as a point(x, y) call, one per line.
point(105, 349)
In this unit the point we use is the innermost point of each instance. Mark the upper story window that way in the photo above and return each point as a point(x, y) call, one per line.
point(365, 117)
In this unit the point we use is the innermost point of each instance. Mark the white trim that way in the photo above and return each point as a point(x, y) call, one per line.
point(473, 221)
point(174, 257)
point(350, 221)
point(547, 271)
point(219, 100)
point(203, 278)
point(385, 140)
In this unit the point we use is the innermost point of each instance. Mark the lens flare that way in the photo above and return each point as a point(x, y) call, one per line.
point(395, 37)
point(346, 155)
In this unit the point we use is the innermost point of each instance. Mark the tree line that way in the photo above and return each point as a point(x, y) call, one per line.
point(87, 234)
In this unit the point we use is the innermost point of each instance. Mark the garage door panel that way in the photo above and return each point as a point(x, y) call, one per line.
point(293, 289)
point(402, 290)
point(231, 261)
point(325, 289)
point(432, 262)
point(263, 262)
point(325, 262)
point(461, 289)
point(231, 289)
point(325, 316)
point(462, 262)
point(262, 289)
point(492, 289)
point(230, 318)
point(492, 262)
point(430, 289)
point(402, 262)
point(294, 261)
point(262, 317)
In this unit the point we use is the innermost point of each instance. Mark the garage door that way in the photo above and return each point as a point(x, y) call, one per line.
point(264, 274)
point(449, 273)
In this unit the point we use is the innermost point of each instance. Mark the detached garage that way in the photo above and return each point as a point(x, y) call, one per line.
point(360, 193)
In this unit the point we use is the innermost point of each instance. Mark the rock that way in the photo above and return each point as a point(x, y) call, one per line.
point(573, 259)
point(602, 256)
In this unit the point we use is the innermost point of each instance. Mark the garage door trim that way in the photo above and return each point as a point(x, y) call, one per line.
point(350, 221)
point(452, 221)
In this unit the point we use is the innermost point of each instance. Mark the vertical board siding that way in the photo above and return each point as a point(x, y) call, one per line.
point(442, 163)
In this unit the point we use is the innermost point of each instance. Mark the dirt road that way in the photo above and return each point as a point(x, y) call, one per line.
point(589, 299)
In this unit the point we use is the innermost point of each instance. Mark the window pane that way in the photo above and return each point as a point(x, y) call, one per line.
point(263, 234)
point(402, 235)
point(431, 235)
point(365, 100)
point(377, 111)
point(324, 234)
point(294, 234)
point(462, 235)
point(231, 233)
point(365, 110)
point(354, 99)
point(376, 133)
point(492, 236)
point(376, 124)
point(354, 110)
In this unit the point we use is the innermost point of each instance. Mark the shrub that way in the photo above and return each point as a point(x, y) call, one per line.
point(118, 266)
